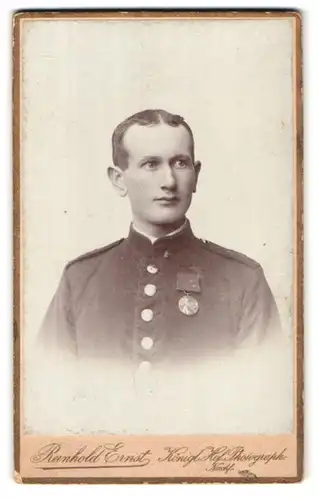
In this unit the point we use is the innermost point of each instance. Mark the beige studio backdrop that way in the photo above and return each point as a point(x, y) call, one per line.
point(230, 79)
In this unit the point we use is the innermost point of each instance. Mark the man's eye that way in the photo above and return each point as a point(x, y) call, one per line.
point(181, 163)
point(150, 165)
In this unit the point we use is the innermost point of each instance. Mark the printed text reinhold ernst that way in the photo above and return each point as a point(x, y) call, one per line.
point(114, 455)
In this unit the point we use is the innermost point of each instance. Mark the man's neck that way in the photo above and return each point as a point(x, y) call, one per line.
point(160, 231)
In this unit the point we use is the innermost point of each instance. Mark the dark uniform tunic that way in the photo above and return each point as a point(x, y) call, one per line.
point(178, 299)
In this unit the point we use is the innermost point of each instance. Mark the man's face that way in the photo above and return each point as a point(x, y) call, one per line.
point(161, 175)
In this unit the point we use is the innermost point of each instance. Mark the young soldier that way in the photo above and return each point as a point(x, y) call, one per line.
point(161, 295)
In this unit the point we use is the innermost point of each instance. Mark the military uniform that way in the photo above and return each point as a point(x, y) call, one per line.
point(177, 299)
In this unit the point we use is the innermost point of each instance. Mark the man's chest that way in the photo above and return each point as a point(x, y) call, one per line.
point(154, 309)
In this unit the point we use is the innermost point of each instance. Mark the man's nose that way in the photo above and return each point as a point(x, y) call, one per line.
point(168, 180)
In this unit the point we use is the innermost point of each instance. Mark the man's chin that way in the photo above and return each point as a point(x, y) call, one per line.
point(168, 219)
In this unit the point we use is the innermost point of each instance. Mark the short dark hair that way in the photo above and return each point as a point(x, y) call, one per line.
point(146, 118)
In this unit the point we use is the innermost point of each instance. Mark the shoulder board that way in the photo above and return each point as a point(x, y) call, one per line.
point(94, 253)
point(230, 254)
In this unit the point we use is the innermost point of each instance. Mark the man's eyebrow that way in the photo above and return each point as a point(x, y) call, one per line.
point(181, 156)
point(149, 158)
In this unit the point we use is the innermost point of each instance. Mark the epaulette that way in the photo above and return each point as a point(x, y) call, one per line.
point(230, 254)
point(93, 253)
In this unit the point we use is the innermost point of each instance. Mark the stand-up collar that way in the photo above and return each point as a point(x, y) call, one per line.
point(155, 238)
point(172, 243)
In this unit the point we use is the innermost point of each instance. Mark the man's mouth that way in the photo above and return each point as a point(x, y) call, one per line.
point(167, 199)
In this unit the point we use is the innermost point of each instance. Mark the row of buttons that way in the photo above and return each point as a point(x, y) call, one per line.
point(149, 290)
point(147, 314)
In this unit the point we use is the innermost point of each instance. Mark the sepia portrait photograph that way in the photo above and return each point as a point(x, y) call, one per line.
point(158, 254)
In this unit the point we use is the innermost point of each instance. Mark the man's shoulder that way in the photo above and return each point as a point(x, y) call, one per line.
point(94, 255)
point(229, 255)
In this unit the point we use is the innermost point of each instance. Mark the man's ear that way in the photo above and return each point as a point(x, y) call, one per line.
point(116, 177)
point(197, 168)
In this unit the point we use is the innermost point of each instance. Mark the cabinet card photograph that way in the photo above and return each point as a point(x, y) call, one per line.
point(157, 246)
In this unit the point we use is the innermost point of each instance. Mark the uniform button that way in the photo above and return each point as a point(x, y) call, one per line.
point(166, 254)
point(147, 314)
point(150, 290)
point(147, 343)
point(152, 269)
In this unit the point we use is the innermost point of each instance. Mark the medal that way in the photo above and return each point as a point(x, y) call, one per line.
point(188, 305)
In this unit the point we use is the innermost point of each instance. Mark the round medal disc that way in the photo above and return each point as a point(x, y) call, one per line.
point(188, 305)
